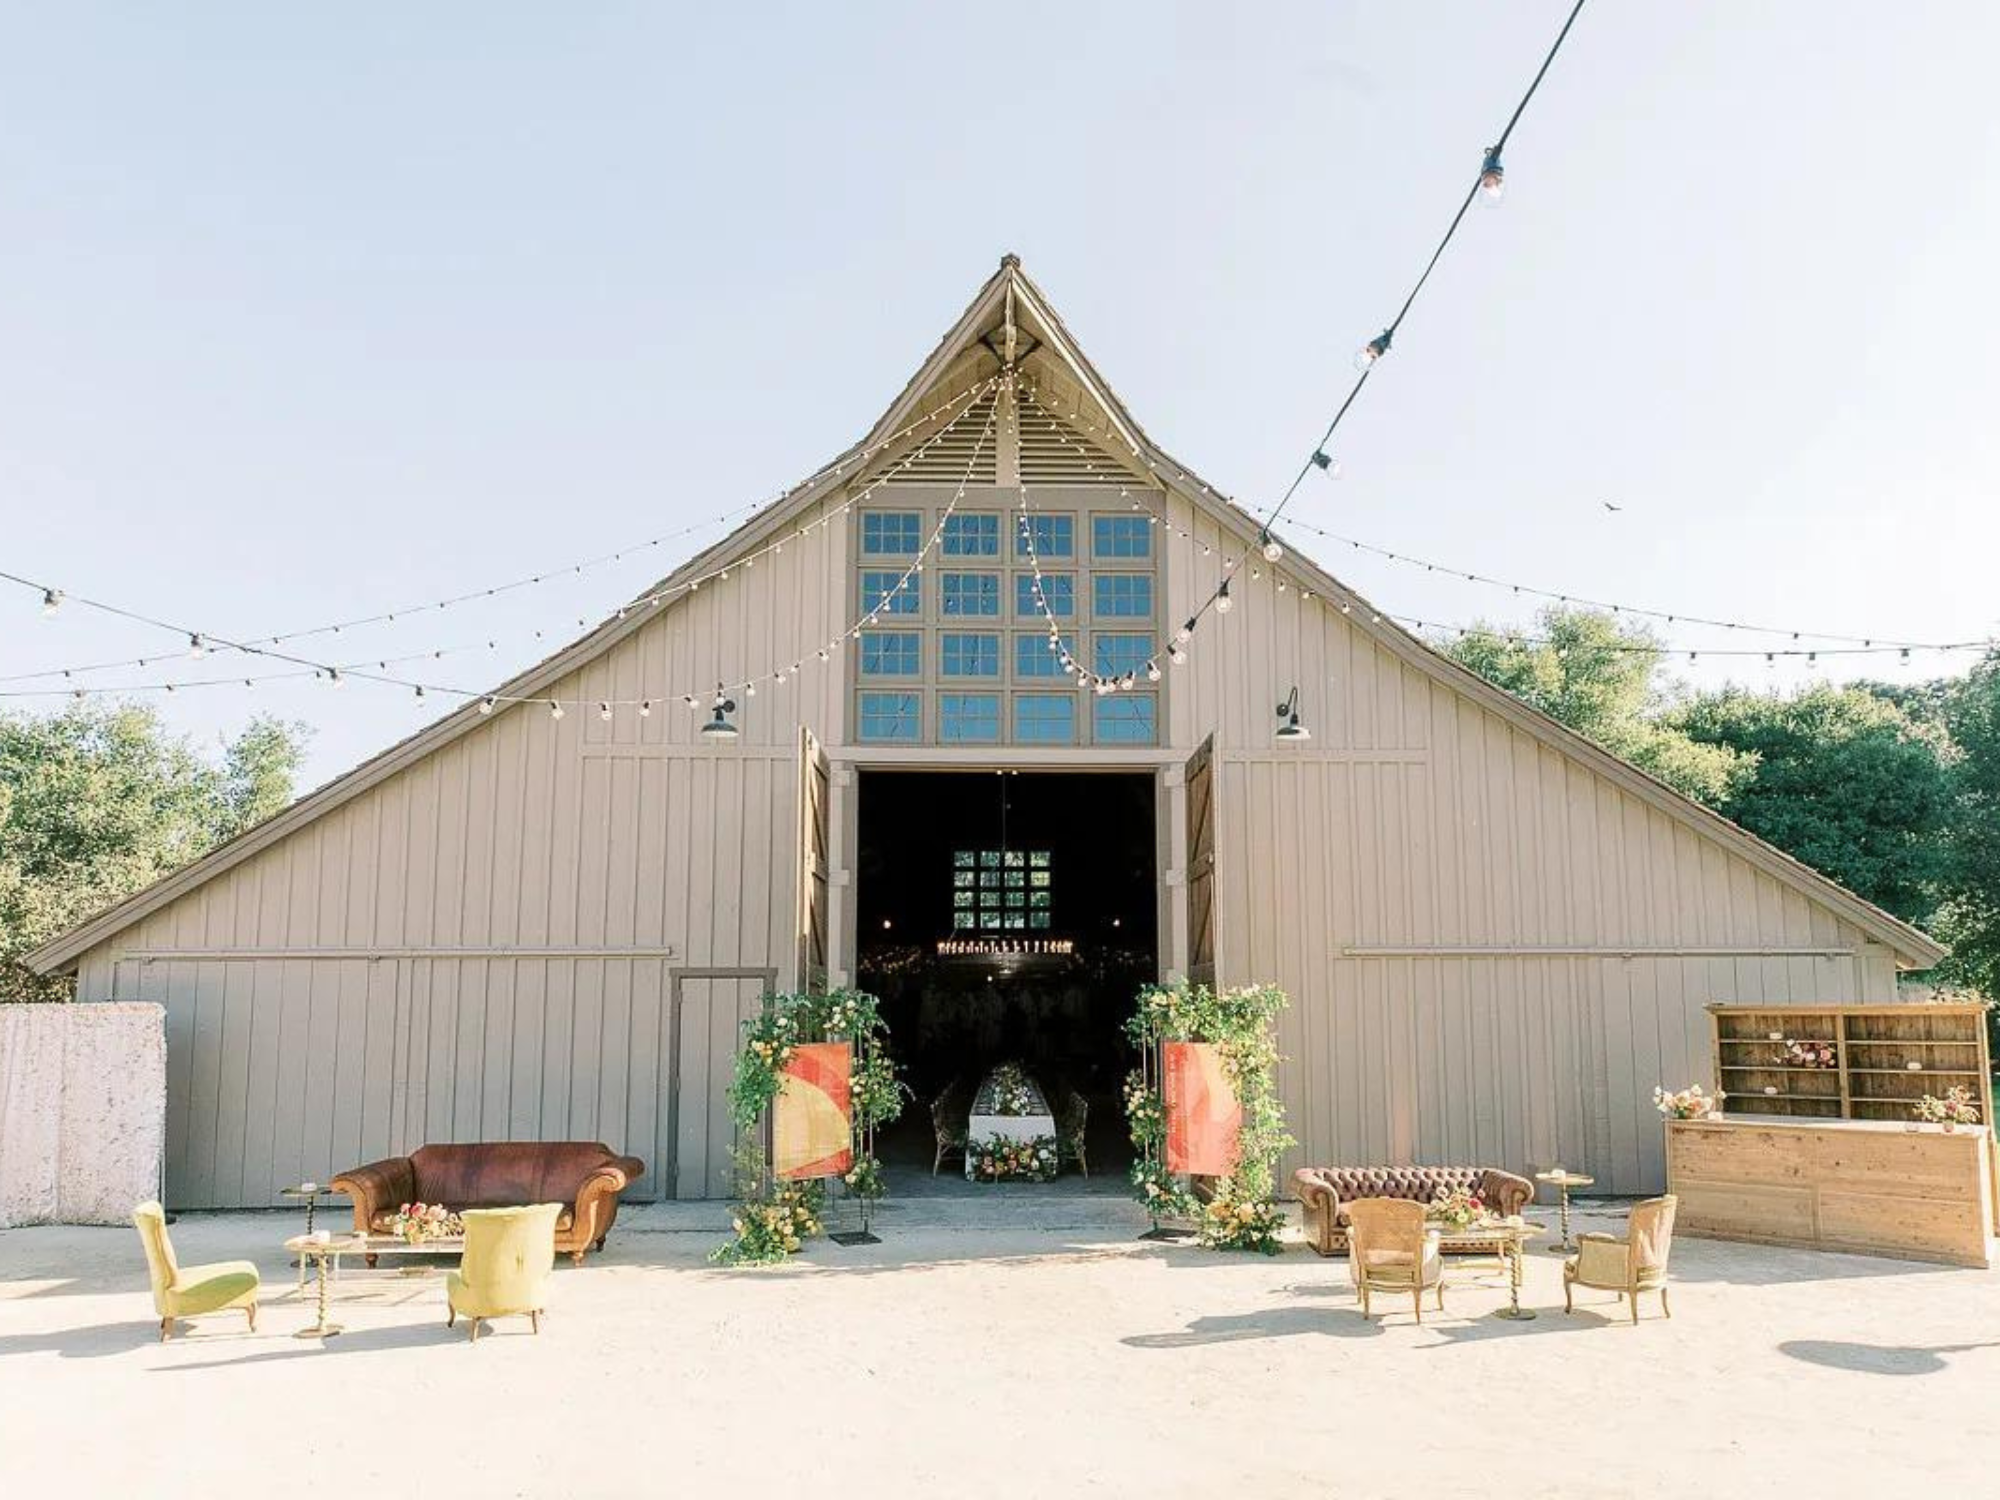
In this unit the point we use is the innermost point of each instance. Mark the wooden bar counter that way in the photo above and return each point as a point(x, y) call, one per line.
point(1867, 1187)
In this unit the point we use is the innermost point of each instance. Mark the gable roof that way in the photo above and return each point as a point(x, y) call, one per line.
point(1021, 309)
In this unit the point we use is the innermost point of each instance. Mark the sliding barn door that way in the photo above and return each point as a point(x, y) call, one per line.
point(1200, 784)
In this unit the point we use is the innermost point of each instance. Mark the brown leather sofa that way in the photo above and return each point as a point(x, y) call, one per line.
point(584, 1176)
point(1326, 1190)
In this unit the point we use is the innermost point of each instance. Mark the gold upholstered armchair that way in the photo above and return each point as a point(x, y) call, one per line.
point(1637, 1263)
point(509, 1256)
point(1390, 1249)
point(190, 1291)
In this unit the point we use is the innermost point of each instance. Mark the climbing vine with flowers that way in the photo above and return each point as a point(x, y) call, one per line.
point(774, 1219)
point(1237, 1211)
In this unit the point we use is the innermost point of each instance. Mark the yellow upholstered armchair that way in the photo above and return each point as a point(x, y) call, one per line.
point(509, 1255)
point(1635, 1264)
point(189, 1291)
point(1390, 1249)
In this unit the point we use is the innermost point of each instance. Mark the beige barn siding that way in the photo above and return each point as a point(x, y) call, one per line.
point(294, 1051)
point(1418, 819)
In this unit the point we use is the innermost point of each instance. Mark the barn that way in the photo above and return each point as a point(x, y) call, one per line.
point(931, 723)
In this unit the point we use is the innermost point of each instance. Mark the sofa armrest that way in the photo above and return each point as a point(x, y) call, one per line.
point(377, 1187)
point(1505, 1193)
point(597, 1197)
point(1313, 1187)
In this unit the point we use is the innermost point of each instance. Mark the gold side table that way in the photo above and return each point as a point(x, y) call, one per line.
point(1562, 1182)
point(322, 1252)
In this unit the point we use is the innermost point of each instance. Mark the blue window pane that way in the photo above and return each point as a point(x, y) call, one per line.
point(900, 601)
point(970, 593)
point(969, 656)
point(1125, 719)
point(971, 536)
point(1033, 658)
point(1115, 655)
point(1058, 592)
point(891, 716)
point(1045, 718)
point(1122, 595)
point(889, 533)
point(1121, 536)
point(968, 716)
point(1055, 536)
point(891, 653)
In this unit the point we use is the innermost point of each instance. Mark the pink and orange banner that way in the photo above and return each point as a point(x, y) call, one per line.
point(812, 1130)
point(1204, 1116)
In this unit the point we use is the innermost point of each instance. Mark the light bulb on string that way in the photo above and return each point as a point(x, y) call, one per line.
point(1186, 632)
point(1372, 351)
point(197, 647)
point(1177, 656)
point(1271, 547)
point(485, 705)
point(1327, 463)
point(1492, 177)
point(1152, 671)
point(51, 601)
point(604, 712)
point(645, 708)
point(555, 709)
point(1223, 603)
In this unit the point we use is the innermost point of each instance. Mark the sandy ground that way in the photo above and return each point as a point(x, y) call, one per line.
point(995, 1361)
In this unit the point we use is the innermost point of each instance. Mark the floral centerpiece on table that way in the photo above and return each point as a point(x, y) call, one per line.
point(421, 1223)
point(1012, 1093)
point(1954, 1109)
point(999, 1159)
point(1807, 1055)
point(1688, 1104)
point(1456, 1208)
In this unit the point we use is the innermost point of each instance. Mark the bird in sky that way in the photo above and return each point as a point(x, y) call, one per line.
point(1615, 509)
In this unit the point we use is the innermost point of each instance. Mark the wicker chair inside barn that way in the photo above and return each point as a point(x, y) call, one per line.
point(950, 1114)
point(1072, 1118)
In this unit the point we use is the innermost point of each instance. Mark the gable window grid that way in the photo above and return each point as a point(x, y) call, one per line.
point(1055, 536)
point(970, 534)
point(1045, 718)
point(1035, 662)
point(962, 595)
point(1121, 596)
point(1125, 719)
point(1114, 653)
point(1120, 535)
point(1058, 592)
point(875, 583)
point(891, 653)
point(965, 654)
point(968, 718)
point(890, 533)
point(890, 718)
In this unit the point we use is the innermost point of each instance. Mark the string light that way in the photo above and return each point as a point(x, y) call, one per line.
point(51, 602)
point(1223, 603)
point(1365, 358)
point(1492, 176)
point(197, 647)
point(1272, 549)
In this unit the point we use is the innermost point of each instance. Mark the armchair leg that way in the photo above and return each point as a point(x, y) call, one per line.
point(576, 1257)
point(1665, 1310)
point(474, 1336)
point(450, 1316)
point(535, 1319)
point(1634, 1299)
point(166, 1329)
point(251, 1312)
point(1440, 1296)
point(1417, 1302)
point(1365, 1310)
point(1569, 1295)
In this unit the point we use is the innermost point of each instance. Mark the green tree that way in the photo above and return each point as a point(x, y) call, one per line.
point(1603, 678)
point(1969, 914)
point(1844, 780)
point(100, 801)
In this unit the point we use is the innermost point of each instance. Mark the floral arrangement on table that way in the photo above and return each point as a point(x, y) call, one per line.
point(420, 1223)
point(1807, 1055)
point(1001, 1159)
point(1689, 1104)
point(1954, 1109)
point(773, 1219)
point(1239, 1213)
point(1455, 1208)
point(1012, 1093)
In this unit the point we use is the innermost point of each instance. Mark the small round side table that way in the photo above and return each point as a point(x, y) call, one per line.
point(321, 1251)
point(1562, 1182)
point(310, 1193)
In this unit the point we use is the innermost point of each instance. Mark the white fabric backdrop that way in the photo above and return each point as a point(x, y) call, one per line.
point(83, 1110)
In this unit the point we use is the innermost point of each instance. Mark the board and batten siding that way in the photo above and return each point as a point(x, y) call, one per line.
point(485, 944)
point(1493, 952)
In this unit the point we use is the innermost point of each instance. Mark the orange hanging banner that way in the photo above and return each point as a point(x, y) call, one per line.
point(1204, 1116)
point(812, 1130)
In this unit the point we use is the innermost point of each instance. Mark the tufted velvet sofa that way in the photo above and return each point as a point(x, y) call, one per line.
point(1325, 1192)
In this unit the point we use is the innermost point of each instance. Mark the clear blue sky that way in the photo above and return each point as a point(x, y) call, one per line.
point(307, 312)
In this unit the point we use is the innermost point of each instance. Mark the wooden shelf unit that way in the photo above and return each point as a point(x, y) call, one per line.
point(1873, 1045)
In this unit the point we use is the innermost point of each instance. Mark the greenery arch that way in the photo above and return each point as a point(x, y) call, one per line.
point(1237, 1211)
point(774, 1219)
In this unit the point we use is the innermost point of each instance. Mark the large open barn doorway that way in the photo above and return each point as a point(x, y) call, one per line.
point(1007, 917)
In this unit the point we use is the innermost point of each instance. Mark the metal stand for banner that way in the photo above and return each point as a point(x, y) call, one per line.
point(860, 1236)
point(1152, 1075)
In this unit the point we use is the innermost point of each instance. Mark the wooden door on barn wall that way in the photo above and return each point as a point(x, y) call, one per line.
point(814, 795)
point(1200, 791)
point(710, 1009)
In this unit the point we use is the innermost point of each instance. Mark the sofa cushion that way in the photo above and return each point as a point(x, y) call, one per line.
point(503, 1174)
point(1417, 1184)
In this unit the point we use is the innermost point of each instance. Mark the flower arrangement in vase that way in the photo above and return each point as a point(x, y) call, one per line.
point(1953, 1110)
point(1689, 1104)
point(1455, 1208)
point(420, 1223)
point(1807, 1055)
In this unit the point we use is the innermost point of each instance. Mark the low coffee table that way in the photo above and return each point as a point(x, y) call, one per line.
point(373, 1245)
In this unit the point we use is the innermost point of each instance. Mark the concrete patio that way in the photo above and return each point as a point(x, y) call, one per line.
point(964, 1357)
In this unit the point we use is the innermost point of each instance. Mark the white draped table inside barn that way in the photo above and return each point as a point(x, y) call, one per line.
point(1009, 1105)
